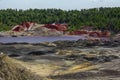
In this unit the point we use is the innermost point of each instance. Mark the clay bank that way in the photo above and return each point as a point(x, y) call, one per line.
point(54, 29)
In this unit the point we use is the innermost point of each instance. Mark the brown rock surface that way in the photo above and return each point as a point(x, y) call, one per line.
point(10, 69)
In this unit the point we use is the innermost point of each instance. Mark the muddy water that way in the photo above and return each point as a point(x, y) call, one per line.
point(37, 39)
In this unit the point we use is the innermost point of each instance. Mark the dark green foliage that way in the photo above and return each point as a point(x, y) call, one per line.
point(100, 18)
point(4, 27)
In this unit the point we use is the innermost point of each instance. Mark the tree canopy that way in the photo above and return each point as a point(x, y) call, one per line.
point(99, 18)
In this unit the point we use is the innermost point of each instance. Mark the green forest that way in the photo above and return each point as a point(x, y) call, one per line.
point(99, 18)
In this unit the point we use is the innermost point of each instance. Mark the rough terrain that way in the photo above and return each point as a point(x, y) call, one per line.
point(68, 60)
point(10, 69)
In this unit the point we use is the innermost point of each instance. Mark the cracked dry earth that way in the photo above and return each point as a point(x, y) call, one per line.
point(69, 63)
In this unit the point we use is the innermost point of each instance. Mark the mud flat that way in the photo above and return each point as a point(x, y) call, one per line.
point(68, 60)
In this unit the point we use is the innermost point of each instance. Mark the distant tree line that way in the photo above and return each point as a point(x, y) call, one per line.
point(99, 18)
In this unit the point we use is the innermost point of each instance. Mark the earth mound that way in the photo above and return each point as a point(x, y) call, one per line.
point(11, 70)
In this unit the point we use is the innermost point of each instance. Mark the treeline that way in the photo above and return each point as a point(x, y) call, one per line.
point(99, 18)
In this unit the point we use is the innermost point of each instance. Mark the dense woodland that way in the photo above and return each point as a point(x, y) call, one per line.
point(99, 18)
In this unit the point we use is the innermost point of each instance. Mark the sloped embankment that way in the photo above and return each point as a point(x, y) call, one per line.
point(11, 70)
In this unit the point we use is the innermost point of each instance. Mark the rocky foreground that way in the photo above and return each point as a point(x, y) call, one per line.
point(10, 69)
point(68, 60)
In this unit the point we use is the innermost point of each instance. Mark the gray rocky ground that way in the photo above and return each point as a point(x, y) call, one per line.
point(74, 60)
